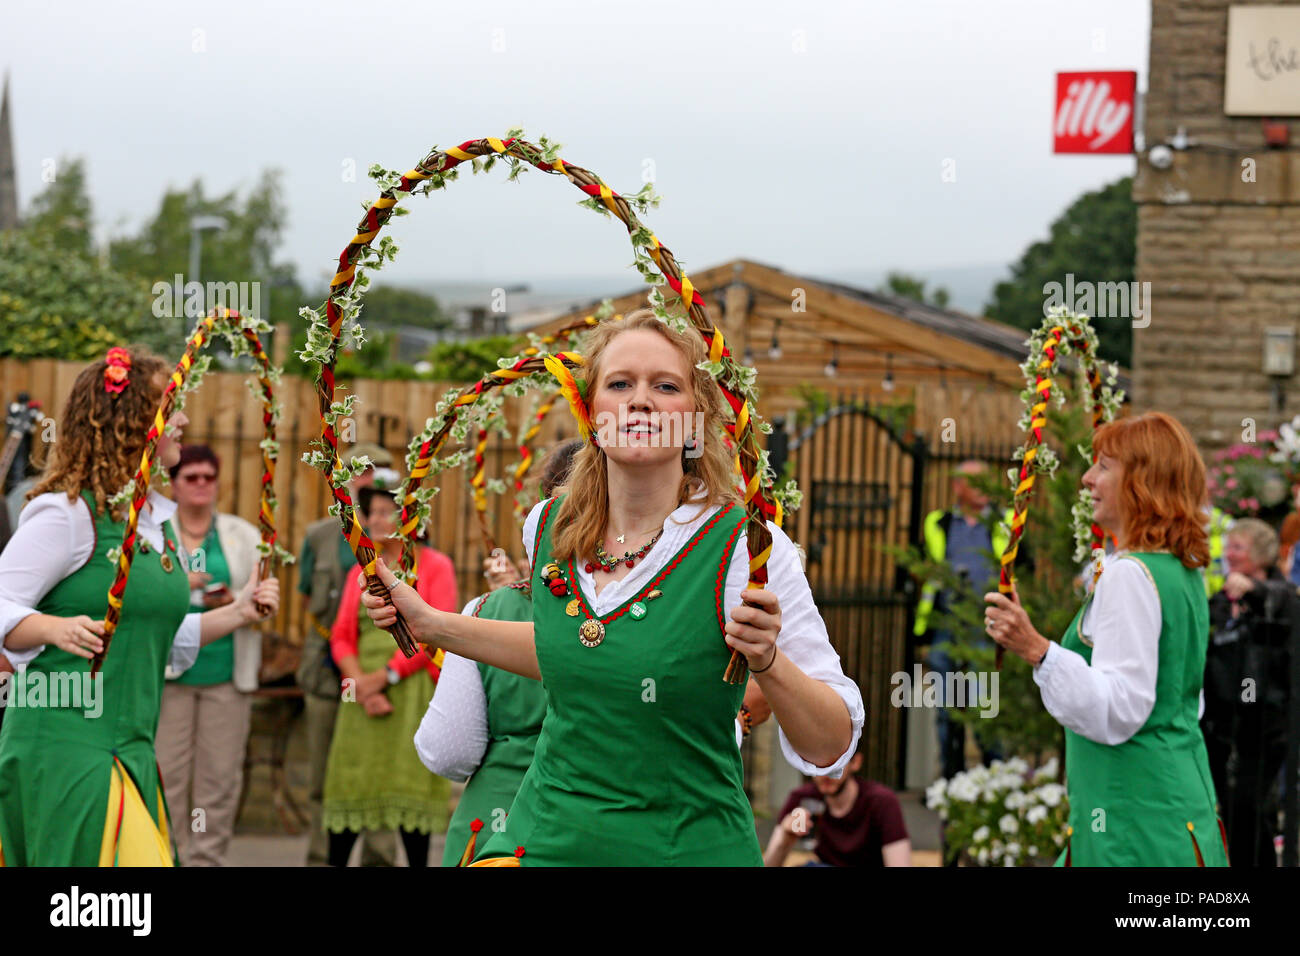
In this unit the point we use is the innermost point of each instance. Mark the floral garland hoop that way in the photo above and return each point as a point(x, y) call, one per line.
point(652, 259)
point(480, 484)
point(1063, 333)
point(243, 335)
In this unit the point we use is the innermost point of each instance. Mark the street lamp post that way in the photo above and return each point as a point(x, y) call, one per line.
point(198, 226)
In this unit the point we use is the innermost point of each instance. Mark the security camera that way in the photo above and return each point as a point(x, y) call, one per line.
point(1161, 156)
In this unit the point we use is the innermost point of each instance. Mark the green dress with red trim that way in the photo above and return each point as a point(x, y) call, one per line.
point(1150, 800)
point(516, 707)
point(61, 760)
point(637, 763)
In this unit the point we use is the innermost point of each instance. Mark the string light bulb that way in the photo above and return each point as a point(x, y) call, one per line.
point(833, 366)
point(774, 351)
point(888, 383)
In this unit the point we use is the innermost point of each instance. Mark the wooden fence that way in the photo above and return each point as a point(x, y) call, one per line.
point(224, 415)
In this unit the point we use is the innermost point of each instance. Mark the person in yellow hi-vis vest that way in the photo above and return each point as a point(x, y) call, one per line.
point(1215, 574)
point(961, 539)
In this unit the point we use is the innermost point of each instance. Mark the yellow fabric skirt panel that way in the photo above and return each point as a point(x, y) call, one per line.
point(498, 861)
point(131, 836)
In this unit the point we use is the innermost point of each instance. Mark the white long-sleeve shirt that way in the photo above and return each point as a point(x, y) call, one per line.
point(54, 538)
point(1109, 700)
point(803, 639)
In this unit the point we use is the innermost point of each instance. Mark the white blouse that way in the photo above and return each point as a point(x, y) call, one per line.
point(457, 752)
point(54, 538)
point(1109, 701)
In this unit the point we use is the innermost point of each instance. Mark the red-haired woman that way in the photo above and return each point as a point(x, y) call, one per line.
point(78, 779)
point(1125, 681)
point(637, 763)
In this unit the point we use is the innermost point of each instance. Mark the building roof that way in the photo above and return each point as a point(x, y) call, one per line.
point(858, 319)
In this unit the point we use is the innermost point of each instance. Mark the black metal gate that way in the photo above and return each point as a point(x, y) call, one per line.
point(859, 476)
point(867, 489)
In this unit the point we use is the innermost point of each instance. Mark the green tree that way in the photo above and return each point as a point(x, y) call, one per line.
point(1095, 240)
point(470, 360)
point(56, 303)
point(241, 252)
point(913, 287)
point(62, 213)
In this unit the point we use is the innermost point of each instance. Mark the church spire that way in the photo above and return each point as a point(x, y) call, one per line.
point(8, 178)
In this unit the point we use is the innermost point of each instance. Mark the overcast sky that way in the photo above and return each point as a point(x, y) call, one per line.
point(809, 138)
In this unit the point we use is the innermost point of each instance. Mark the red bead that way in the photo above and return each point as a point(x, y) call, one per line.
point(631, 563)
point(590, 568)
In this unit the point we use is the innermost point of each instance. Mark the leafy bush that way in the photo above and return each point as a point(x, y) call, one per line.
point(58, 303)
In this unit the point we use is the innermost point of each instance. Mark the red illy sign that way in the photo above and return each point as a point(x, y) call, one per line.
point(1094, 112)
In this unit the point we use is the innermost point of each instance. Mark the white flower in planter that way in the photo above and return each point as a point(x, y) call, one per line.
point(1050, 793)
point(1047, 772)
point(982, 856)
point(1012, 854)
point(1017, 799)
point(1033, 850)
point(980, 835)
point(1036, 815)
point(1008, 824)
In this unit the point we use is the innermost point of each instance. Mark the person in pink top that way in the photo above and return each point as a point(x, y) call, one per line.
point(374, 779)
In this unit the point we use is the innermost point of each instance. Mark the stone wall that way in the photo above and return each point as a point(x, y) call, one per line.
point(1218, 239)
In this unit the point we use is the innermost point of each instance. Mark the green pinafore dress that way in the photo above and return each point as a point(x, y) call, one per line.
point(374, 779)
point(637, 763)
point(58, 755)
point(515, 709)
point(1150, 800)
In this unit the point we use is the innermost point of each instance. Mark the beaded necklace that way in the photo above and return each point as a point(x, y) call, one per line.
point(607, 563)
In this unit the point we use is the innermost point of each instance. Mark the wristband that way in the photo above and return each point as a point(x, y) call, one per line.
point(769, 664)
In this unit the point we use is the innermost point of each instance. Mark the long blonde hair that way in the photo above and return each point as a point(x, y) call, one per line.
point(101, 435)
point(582, 516)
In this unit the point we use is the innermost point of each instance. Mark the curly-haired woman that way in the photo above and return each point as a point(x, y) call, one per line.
point(78, 779)
point(1125, 681)
point(637, 761)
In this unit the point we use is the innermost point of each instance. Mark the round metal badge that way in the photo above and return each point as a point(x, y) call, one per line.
point(591, 632)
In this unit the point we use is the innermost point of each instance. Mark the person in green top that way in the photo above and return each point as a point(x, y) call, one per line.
point(373, 779)
point(504, 710)
point(323, 561)
point(1126, 678)
point(206, 710)
point(79, 785)
point(637, 762)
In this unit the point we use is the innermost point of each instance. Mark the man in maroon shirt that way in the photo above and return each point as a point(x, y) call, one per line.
point(854, 822)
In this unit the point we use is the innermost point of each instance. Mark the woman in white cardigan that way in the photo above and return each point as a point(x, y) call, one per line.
point(206, 710)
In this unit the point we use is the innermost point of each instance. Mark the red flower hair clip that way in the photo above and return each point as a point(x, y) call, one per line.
point(117, 370)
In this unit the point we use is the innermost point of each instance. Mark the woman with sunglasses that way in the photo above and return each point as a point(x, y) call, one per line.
point(203, 727)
